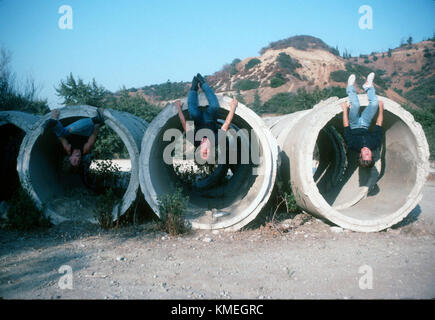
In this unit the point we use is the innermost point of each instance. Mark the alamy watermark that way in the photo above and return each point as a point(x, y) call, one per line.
point(66, 281)
point(226, 147)
point(366, 20)
point(66, 20)
point(366, 280)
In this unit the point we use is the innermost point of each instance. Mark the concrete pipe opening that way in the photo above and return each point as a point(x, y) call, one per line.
point(244, 187)
point(13, 127)
point(355, 198)
point(63, 194)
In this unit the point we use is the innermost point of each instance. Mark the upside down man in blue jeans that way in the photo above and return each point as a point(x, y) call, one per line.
point(77, 139)
point(356, 127)
point(204, 119)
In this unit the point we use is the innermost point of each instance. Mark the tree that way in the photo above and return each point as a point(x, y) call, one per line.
point(16, 96)
point(409, 41)
point(76, 92)
point(257, 105)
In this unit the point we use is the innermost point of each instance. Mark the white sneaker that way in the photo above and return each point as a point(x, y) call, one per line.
point(369, 81)
point(351, 80)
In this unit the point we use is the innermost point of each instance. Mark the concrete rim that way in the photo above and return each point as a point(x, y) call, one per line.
point(81, 111)
point(322, 114)
point(270, 155)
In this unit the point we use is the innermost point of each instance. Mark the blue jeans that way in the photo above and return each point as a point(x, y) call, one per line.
point(82, 127)
point(208, 115)
point(364, 120)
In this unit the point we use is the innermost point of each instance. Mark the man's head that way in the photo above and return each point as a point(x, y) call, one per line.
point(365, 158)
point(205, 148)
point(75, 157)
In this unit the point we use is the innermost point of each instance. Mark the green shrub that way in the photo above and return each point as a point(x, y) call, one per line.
point(23, 214)
point(104, 208)
point(106, 174)
point(277, 81)
point(233, 68)
point(287, 102)
point(408, 84)
point(339, 76)
point(251, 63)
point(172, 210)
point(399, 91)
point(246, 84)
point(423, 93)
point(426, 117)
point(287, 63)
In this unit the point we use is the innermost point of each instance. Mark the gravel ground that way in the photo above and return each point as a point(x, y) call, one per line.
point(302, 258)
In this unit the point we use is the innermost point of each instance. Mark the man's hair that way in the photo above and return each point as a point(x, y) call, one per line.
point(365, 163)
point(67, 167)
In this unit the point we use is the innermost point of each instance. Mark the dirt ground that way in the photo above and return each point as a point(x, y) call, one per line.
point(303, 258)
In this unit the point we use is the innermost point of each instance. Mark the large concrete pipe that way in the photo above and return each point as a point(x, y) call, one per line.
point(234, 202)
point(40, 171)
point(358, 199)
point(14, 125)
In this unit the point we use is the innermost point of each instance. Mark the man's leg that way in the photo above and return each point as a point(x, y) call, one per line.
point(82, 127)
point(213, 105)
point(369, 112)
point(354, 106)
point(192, 106)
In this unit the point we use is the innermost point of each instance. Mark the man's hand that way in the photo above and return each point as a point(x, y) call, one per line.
point(345, 105)
point(55, 114)
point(380, 118)
point(233, 104)
point(178, 104)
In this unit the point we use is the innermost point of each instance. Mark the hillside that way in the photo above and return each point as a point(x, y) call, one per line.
point(404, 74)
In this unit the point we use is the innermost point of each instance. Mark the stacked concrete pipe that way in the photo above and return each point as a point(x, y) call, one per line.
point(358, 199)
point(37, 160)
point(14, 125)
point(230, 205)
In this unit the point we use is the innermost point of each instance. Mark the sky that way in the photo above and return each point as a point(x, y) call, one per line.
point(134, 43)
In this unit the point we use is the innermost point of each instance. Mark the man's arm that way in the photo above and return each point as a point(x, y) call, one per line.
point(380, 118)
point(179, 105)
point(345, 108)
point(233, 106)
point(91, 141)
point(65, 144)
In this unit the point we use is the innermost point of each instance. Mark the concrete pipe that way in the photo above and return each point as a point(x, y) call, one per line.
point(39, 166)
point(358, 199)
point(14, 125)
point(247, 186)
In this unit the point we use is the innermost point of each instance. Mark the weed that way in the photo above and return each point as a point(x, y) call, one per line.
point(104, 207)
point(172, 210)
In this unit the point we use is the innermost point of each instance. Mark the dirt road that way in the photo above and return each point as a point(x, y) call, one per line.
point(304, 258)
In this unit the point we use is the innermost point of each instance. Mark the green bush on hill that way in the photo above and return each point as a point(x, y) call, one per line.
point(251, 63)
point(287, 102)
point(167, 91)
point(277, 81)
point(246, 84)
point(287, 63)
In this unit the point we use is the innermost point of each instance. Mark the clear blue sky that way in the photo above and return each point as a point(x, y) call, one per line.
point(136, 43)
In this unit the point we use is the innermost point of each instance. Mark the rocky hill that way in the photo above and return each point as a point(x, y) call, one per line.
point(404, 74)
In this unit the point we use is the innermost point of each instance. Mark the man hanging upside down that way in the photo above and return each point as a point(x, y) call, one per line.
point(204, 119)
point(356, 127)
point(77, 139)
